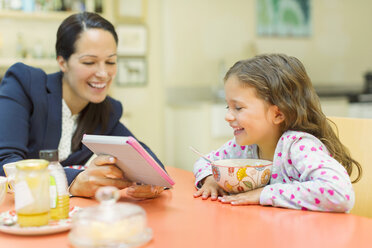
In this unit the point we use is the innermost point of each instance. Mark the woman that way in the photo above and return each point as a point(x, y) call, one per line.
point(49, 111)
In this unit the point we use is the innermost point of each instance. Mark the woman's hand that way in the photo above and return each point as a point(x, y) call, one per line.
point(144, 191)
point(210, 188)
point(247, 198)
point(102, 171)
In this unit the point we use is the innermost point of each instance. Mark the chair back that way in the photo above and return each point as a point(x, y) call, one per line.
point(356, 135)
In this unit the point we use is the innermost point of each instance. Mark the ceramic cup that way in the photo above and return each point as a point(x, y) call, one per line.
point(3, 186)
point(10, 172)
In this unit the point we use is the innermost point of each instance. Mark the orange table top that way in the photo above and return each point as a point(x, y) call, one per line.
point(178, 220)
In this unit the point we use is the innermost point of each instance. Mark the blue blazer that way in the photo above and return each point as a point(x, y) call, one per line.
point(31, 118)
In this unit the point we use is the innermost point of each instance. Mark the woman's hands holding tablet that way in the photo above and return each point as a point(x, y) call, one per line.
point(102, 171)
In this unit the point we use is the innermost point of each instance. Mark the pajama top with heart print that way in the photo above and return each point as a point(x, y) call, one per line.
point(304, 174)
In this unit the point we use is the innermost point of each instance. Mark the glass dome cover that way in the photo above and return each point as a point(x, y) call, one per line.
point(110, 224)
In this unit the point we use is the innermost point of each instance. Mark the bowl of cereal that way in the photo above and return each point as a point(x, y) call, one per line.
point(241, 175)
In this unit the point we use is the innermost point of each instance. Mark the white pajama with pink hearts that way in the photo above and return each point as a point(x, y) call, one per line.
point(304, 174)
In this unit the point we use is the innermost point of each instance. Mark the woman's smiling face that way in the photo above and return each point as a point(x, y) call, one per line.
point(89, 71)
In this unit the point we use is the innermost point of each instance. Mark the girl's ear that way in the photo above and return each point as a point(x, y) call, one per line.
point(278, 116)
point(62, 63)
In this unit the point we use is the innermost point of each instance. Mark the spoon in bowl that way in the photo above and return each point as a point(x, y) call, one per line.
point(200, 154)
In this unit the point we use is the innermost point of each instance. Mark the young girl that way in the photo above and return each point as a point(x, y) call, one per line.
point(276, 115)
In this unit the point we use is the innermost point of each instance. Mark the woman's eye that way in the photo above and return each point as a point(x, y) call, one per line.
point(88, 63)
point(110, 62)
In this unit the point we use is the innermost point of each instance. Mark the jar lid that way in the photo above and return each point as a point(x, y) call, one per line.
point(109, 210)
point(50, 155)
point(32, 164)
point(110, 223)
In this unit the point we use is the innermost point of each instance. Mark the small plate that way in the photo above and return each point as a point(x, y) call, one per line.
point(54, 226)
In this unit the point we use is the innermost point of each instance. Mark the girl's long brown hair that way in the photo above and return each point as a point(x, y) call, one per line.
point(282, 81)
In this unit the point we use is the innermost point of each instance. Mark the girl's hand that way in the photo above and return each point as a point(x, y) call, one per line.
point(247, 198)
point(210, 188)
point(102, 171)
point(144, 191)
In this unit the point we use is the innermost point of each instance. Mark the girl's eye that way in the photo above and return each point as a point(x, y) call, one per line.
point(110, 62)
point(236, 108)
point(88, 63)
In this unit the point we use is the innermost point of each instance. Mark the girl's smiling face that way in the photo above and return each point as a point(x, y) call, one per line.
point(254, 121)
point(89, 71)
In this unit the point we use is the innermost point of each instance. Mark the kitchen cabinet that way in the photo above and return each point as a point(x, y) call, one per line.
point(335, 106)
point(342, 107)
point(361, 110)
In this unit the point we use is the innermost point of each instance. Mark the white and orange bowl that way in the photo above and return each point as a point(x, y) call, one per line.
point(241, 175)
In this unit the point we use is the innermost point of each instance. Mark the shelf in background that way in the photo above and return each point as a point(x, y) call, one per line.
point(40, 63)
point(36, 15)
point(338, 90)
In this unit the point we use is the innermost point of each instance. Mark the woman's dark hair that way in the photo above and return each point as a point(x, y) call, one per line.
point(71, 28)
point(95, 115)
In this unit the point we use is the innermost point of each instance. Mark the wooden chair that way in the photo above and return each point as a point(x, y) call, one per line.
point(356, 135)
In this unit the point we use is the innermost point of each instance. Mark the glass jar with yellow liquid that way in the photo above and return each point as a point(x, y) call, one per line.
point(59, 196)
point(32, 192)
